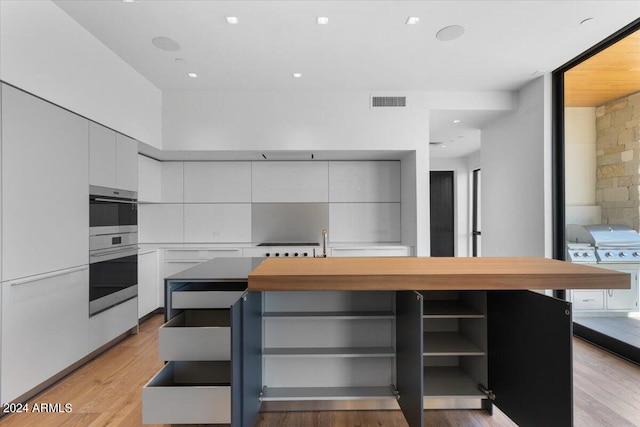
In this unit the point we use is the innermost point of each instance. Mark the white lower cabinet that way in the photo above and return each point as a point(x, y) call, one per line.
point(179, 259)
point(44, 328)
point(195, 387)
point(178, 394)
point(196, 335)
point(108, 325)
point(371, 251)
point(148, 279)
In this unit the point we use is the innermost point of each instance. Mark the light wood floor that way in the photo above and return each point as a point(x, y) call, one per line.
point(107, 392)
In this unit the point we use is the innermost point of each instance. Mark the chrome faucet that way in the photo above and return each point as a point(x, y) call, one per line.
point(324, 242)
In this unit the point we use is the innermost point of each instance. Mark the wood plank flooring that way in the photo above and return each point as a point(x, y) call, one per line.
point(107, 392)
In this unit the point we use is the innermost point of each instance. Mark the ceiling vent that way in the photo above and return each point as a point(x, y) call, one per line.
point(388, 101)
point(285, 155)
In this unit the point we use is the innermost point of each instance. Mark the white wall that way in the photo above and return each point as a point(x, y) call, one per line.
point(289, 121)
point(45, 52)
point(516, 188)
point(580, 156)
point(461, 176)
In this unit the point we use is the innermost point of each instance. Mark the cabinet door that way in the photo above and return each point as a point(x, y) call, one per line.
point(364, 181)
point(624, 299)
point(409, 337)
point(172, 182)
point(295, 182)
point(217, 182)
point(102, 156)
point(149, 179)
point(126, 163)
point(147, 282)
point(251, 386)
point(530, 357)
point(45, 186)
point(44, 328)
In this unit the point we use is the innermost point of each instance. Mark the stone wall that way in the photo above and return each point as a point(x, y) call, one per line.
point(618, 161)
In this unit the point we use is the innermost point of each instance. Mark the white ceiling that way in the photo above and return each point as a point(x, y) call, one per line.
point(365, 47)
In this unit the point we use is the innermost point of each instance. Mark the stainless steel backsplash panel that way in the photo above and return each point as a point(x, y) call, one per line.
point(289, 222)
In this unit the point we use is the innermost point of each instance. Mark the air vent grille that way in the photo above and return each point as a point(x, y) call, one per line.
point(388, 101)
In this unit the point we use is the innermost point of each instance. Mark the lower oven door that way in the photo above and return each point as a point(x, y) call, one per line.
point(113, 278)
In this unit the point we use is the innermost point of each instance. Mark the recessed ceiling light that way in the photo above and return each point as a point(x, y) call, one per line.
point(322, 20)
point(232, 20)
point(165, 43)
point(413, 20)
point(443, 146)
point(297, 75)
point(588, 21)
point(449, 33)
point(180, 61)
point(192, 75)
point(456, 121)
point(127, 1)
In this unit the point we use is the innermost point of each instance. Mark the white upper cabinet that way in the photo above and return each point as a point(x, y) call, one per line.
point(149, 179)
point(113, 159)
point(364, 181)
point(45, 186)
point(217, 182)
point(126, 163)
point(295, 182)
point(102, 156)
point(172, 182)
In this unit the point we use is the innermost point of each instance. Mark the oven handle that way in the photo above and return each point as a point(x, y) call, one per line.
point(108, 254)
point(48, 275)
point(102, 199)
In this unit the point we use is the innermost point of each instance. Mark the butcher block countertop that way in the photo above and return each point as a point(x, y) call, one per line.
point(425, 273)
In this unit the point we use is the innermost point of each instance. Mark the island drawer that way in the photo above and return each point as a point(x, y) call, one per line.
point(196, 335)
point(588, 300)
point(188, 393)
point(191, 296)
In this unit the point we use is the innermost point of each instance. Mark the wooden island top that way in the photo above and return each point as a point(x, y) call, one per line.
point(426, 273)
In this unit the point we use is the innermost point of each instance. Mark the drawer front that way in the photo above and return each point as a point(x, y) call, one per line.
point(588, 300)
point(204, 336)
point(200, 254)
point(369, 252)
point(168, 400)
point(204, 299)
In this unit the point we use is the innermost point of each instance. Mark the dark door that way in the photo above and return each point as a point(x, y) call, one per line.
point(246, 359)
point(236, 363)
point(251, 357)
point(530, 357)
point(475, 214)
point(409, 356)
point(442, 213)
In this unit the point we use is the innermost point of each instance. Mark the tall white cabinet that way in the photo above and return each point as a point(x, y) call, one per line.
point(45, 223)
point(45, 188)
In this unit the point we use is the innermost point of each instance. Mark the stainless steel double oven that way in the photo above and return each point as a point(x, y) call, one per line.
point(113, 247)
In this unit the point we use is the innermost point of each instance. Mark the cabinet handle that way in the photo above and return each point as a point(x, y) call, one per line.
point(100, 199)
point(48, 275)
point(588, 300)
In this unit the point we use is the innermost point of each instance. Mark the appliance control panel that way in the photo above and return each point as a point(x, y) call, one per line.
point(618, 255)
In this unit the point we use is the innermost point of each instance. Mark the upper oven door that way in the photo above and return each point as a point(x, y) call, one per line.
point(112, 211)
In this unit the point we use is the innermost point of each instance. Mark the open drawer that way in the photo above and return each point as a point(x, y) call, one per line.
point(196, 335)
point(200, 295)
point(188, 393)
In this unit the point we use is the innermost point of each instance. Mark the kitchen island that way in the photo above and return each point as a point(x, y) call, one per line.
point(375, 333)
